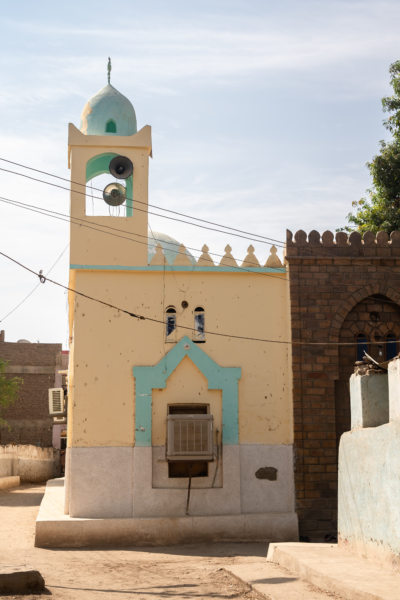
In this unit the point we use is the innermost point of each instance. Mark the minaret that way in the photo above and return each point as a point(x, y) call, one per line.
point(108, 129)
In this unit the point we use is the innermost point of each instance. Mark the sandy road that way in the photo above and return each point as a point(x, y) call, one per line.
point(175, 573)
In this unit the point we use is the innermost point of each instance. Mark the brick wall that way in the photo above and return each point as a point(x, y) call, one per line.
point(28, 417)
point(336, 283)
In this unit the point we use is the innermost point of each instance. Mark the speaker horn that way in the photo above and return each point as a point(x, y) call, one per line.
point(121, 167)
point(114, 194)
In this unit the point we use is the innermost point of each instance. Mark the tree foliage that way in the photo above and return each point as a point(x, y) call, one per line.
point(380, 209)
point(9, 387)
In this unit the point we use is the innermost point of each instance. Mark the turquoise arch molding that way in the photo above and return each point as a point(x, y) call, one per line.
point(219, 378)
point(98, 165)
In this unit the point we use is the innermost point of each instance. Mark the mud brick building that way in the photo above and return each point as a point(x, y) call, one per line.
point(28, 417)
point(343, 289)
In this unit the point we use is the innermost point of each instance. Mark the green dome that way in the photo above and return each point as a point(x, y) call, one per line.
point(108, 113)
point(169, 245)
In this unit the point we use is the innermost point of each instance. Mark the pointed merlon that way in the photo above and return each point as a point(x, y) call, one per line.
point(273, 262)
point(228, 260)
point(250, 260)
point(205, 259)
point(159, 257)
point(181, 258)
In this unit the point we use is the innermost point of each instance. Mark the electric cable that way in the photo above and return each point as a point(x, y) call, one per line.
point(43, 279)
point(36, 286)
point(251, 237)
point(84, 222)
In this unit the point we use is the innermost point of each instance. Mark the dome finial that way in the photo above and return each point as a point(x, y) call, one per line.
point(109, 70)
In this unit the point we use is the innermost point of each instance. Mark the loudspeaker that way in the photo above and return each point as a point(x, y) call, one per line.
point(121, 167)
point(114, 194)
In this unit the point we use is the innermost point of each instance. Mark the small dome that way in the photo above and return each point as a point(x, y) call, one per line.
point(169, 245)
point(108, 113)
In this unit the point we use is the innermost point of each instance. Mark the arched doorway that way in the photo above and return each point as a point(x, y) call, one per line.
point(374, 323)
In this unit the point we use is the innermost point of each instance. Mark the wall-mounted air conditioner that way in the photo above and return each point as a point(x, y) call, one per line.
point(190, 437)
point(56, 402)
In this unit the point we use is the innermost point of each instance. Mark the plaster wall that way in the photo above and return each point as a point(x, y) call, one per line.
point(369, 491)
point(369, 400)
point(107, 344)
point(31, 463)
point(102, 483)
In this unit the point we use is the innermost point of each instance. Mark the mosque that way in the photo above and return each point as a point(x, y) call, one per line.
point(180, 421)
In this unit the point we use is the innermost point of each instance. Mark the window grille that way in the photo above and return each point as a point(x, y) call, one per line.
point(190, 437)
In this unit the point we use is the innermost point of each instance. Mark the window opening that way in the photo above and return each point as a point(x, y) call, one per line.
point(362, 346)
point(189, 440)
point(111, 126)
point(199, 325)
point(170, 324)
point(391, 346)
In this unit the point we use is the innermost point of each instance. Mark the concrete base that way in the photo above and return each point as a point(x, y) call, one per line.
point(54, 529)
point(9, 482)
point(329, 567)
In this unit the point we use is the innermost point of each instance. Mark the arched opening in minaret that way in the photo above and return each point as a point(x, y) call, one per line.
point(98, 178)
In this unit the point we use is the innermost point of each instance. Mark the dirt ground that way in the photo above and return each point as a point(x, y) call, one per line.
point(195, 572)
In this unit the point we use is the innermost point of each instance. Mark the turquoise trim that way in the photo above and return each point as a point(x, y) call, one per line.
point(219, 378)
point(98, 165)
point(159, 268)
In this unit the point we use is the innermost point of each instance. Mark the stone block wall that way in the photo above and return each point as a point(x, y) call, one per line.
point(340, 287)
point(28, 418)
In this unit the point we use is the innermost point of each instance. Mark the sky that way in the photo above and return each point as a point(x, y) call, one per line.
point(263, 117)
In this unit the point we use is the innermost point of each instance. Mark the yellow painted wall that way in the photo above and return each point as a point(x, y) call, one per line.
point(108, 344)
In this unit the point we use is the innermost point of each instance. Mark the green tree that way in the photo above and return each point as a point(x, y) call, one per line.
point(380, 209)
point(9, 387)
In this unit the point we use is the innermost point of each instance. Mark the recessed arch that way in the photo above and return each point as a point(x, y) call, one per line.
point(155, 377)
point(98, 165)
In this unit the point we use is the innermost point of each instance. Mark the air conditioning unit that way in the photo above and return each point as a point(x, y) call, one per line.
point(56, 402)
point(190, 437)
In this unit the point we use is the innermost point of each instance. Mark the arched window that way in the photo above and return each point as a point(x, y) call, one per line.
point(391, 346)
point(362, 345)
point(111, 126)
point(170, 324)
point(199, 325)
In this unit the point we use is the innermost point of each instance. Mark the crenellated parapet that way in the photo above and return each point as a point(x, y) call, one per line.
point(183, 258)
point(342, 244)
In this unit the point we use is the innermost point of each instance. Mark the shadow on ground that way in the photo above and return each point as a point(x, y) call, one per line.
point(14, 498)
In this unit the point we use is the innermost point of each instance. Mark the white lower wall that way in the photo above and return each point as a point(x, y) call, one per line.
point(31, 463)
point(100, 482)
point(118, 483)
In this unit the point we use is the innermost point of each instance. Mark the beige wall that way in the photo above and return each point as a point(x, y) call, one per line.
point(185, 385)
point(108, 344)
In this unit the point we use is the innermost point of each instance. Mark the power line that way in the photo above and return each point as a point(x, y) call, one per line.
point(232, 230)
point(95, 226)
point(140, 317)
point(36, 286)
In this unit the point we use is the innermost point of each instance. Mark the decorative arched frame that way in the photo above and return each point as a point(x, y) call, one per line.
point(98, 165)
point(219, 378)
point(353, 300)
